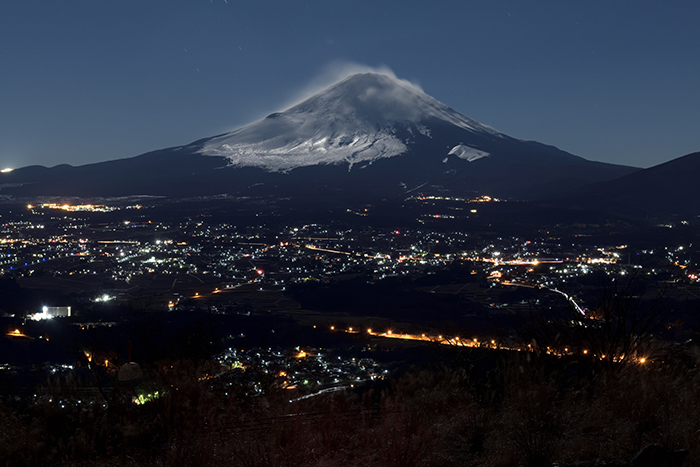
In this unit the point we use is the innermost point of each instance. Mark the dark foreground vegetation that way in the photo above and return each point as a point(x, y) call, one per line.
point(466, 407)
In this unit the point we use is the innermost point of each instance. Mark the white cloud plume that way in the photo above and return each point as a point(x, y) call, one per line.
point(336, 71)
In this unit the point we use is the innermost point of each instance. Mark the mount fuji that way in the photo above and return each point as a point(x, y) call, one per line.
point(370, 135)
point(364, 118)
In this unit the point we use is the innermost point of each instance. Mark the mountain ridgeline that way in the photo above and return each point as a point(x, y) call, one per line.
point(667, 190)
point(368, 137)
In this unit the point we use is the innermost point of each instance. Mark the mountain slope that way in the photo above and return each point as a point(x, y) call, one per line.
point(368, 136)
point(663, 190)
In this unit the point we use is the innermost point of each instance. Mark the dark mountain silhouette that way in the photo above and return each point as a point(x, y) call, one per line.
point(668, 189)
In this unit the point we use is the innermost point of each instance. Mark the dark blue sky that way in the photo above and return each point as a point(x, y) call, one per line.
point(83, 81)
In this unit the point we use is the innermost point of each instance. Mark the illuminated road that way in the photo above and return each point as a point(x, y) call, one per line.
point(438, 339)
point(492, 344)
point(568, 297)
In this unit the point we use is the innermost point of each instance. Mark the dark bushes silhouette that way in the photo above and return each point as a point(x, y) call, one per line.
point(506, 408)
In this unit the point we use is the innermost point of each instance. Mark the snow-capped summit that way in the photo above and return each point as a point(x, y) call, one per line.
point(359, 120)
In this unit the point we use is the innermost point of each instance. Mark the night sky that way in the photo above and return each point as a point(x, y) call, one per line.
point(84, 81)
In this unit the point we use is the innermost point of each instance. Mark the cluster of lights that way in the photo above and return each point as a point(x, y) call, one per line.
point(144, 398)
point(76, 208)
point(479, 199)
point(104, 298)
point(485, 199)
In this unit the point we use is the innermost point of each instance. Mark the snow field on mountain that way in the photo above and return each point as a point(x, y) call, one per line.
point(355, 121)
